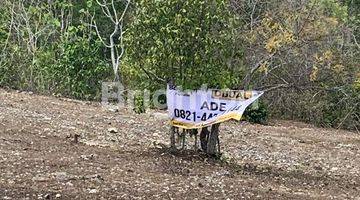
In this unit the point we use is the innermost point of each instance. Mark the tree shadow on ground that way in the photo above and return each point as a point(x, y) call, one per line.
point(263, 172)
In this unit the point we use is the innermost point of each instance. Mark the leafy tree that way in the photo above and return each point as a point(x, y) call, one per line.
point(191, 42)
point(304, 55)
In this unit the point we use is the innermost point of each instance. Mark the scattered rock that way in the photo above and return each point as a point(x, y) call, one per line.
point(40, 178)
point(294, 157)
point(334, 169)
point(88, 157)
point(63, 176)
point(159, 145)
point(69, 184)
point(161, 116)
point(113, 130)
point(114, 109)
point(47, 118)
point(47, 129)
point(93, 191)
point(47, 196)
point(94, 176)
point(76, 138)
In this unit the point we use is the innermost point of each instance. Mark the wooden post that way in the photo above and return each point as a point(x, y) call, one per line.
point(172, 138)
point(183, 138)
point(196, 140)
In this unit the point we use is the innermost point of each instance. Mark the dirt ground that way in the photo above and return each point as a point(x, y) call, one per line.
point(118, 156)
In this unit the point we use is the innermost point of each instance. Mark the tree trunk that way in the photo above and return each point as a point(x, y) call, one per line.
point(209, 140)
point(204, 138)
point(213, 140)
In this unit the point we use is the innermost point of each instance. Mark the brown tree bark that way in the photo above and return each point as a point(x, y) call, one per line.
point(212, 142)
point(204, 134)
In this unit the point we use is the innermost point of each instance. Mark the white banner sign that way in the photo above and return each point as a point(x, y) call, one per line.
point(201, 108)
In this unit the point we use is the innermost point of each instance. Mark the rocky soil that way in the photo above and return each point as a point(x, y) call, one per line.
point(120, 155)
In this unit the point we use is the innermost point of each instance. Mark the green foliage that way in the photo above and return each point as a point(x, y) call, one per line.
point(191, 42)
point(333, 8)
point(257, 114)
point(81, 68)
point(342, 109)
point(312, 48)
point(4, 17)
point(311, 60)
point(71, 64)
point(139, 106)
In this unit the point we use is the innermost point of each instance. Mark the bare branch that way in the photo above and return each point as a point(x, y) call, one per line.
point(10, 28)
point(94, 25)
point(346, 116)
point(125, 10)
point(115, 12)
point(118, 29)
point(357, 44)
point(248, 76)
point(276, 87)
point(252, 16)
point(152, 76)
point(121, 46)
point(105, 10)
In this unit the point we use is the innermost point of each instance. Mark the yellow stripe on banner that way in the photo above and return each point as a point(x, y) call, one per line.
point(223, 118)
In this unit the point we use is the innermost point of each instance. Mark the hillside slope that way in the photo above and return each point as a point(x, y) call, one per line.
point(39, 160)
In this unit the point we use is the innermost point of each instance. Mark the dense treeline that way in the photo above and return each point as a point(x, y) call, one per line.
point(305, 54)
